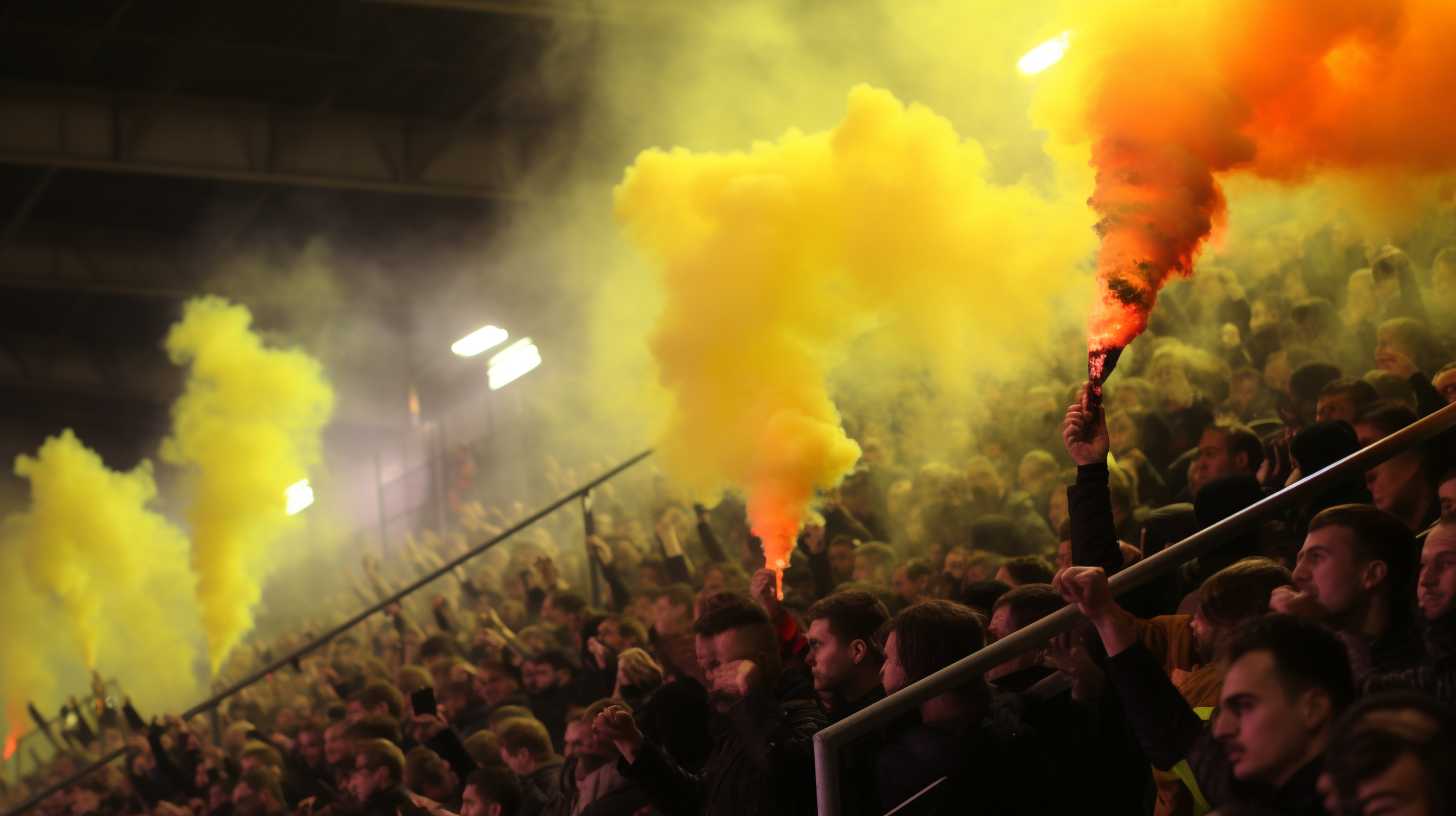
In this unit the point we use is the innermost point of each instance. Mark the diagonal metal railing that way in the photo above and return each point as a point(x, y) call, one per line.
point(829, 742)
point(303, 651)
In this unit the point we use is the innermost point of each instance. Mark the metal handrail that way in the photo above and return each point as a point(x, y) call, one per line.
point(318, 642)
point(829, 742)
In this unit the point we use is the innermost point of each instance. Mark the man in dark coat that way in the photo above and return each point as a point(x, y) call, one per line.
point(763, 727)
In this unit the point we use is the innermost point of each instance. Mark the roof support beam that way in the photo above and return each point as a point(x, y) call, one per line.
point(250, 143)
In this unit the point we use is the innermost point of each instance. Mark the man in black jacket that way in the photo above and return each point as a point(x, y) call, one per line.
point(377, 782)
point(1436, 596)
point(1355, 572)
point(763, 727)
point(843, 657)
point(1287, 681)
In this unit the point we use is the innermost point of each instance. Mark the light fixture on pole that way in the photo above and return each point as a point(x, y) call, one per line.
point(512, 363)
point(1045, 55)
point(480, 340)
point(298, 497)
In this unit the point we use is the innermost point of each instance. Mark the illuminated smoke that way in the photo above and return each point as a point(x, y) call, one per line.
point(91, 570)
point(247, 426)
point(774, 260)
point(1168, 99)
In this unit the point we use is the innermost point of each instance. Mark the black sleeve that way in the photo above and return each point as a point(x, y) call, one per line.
point(779, 738)
point(710, 542)
point(821, 573)
point(535, 599)
point(1165, 726)
point(671, 789)
point(442, 619)
point(1094, 536)
point(677, 569)
point(448, 745)
point(616, 586)
point(1428, 399)
point(165, 765)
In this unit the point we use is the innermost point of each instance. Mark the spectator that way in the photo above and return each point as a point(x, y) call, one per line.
point(1343, 400)
point(1225, 450)
point(912, 580)
point(1392, 754)
point(1436, 598)
point(1027, 569)
point(843, 656)
point(491, 792)
point(377, 781)
point(874, 563)
point(1355, 572)
point(592, 783)
point(760, 762)
point(1403, 484)
point(526, 749)
point(1287, 680)
point(258, 794)
point(548, 680)
point(963, 736)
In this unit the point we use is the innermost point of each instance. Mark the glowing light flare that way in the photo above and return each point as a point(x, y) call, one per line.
point(298, 497)
point(1045, 55)
point(481, 340)
point(512, 363)
point(12, 741)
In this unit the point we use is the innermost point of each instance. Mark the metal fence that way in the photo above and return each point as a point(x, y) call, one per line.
point(829, 743)
point(211, 703)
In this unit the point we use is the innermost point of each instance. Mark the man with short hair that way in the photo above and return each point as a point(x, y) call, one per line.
point(841, 559)
point(525, 748)
point(765, 719)
point(548, 680)
point(1436, 598)
point(1392, 754)
point(592, 784)
point(843, 657)
point(1287, 680)
point(491, 791)
point(911, 580)
point(1344, 400)
point(874, 563)
point(1020, 607)
point(1225, 450)
point(671, 635)
point(377, 781)
point(1023, 570)
point(258, 794)
point(1355, 573)
point(338, 752)
point(1402, 485)
point(376, 698)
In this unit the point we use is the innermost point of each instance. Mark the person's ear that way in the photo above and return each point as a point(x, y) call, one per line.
point(1374, 574)
point(1315, 709)
point(858, 651)
point(494, 809)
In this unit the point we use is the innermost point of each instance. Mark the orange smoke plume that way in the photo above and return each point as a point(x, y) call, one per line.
point(1170, 98)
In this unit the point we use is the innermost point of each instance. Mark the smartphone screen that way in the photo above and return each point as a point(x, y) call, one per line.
point(423, 701)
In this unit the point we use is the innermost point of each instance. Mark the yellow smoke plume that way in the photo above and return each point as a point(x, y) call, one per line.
point(775, 259)
point(91, 570)
point(247, 425)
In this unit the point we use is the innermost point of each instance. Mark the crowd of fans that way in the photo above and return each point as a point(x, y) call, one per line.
point(1305, 664)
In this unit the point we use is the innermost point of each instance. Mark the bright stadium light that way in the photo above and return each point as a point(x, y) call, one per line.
point(1045, 55)
point(298, 497)
point(513, 362)
point(482, 339)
